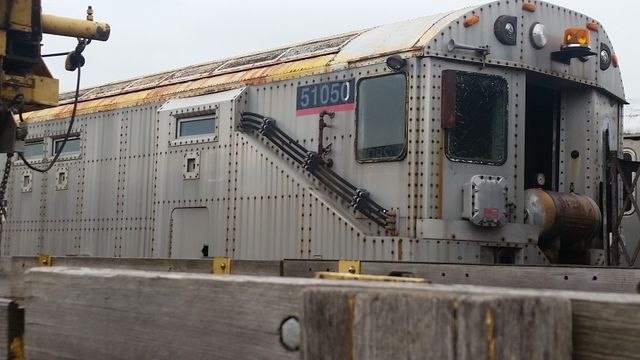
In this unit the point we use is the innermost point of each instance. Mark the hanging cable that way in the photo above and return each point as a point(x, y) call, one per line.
point(66, 136)
point(55, 54)
point(3, 190)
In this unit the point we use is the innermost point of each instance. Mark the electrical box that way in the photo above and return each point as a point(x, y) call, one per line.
point(485, 200)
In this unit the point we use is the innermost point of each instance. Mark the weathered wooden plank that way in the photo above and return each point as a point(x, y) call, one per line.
point(621, 280)
point(11, 330)
point(4, 327)
point(385, 324)
point(606, 330)
point(100, 314)
point(562, 278)
point(107, 314)
point(12, 268)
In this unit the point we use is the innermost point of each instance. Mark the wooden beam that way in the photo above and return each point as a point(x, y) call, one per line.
point(11, 330)
point(106, 313)
point(399, 324)
point(619, 280)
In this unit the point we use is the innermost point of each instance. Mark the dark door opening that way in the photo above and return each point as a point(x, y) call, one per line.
point(541, 138)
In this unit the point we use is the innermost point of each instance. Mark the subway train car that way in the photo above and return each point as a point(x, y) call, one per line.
point(482, 135)
point(631, 149)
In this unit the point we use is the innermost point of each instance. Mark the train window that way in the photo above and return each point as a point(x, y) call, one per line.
point(71, 147)
point(381, 114)
point(191, 127)
point(629, 155)
point(34, 149)
point(474, 113)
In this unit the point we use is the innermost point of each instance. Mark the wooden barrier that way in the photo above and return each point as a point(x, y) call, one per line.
point(81, 313)
point(400, 324)
point(11, 330)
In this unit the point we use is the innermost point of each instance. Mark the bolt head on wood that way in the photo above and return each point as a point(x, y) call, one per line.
point(290, 334)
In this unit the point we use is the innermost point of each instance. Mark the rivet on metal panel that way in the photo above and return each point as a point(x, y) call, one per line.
point(349, 266)
point(221, 265)
point(45, 260)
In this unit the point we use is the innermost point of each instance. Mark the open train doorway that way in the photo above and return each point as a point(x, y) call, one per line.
point(541, 137)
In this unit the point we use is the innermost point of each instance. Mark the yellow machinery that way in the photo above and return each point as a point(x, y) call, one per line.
point(24, 75)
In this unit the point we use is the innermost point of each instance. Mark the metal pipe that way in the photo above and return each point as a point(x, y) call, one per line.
point(63, 26)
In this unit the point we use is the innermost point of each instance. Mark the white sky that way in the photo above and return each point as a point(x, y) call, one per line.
point(154, 36)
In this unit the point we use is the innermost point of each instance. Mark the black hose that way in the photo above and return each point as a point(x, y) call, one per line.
point(329, 178)
point(66, 136)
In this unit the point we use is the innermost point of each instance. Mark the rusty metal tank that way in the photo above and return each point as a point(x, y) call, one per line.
point(568, 218)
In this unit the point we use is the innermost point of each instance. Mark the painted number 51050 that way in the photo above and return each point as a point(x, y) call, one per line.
point(334, 95)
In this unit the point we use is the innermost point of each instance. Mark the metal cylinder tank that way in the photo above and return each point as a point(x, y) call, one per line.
point(571, 218)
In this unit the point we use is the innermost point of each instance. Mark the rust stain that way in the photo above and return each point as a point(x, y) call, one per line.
point(190, 88)
point(440, 175)
point(351, 305)
point(491, 341)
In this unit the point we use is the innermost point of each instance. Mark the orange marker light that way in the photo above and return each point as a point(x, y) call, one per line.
point(471, 20)
point(531, 7)
point(614, 60)
point(576, 37)
point(592, 25)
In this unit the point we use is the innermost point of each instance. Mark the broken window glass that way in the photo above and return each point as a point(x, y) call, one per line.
point(381, 117)
point(479, 132)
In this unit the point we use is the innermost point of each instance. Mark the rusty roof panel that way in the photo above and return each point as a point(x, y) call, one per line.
point(193, 72)
point(315, 56)
point(106, 90)
point(315, 47)
point(387, 39)
point(70, 95)
point(189, 88)
point(147, 82)
point(253, 59)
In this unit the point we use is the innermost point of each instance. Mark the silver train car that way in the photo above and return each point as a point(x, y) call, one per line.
point(481, 135)
point(631, 149)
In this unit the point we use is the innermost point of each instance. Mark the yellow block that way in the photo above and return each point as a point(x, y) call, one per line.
point(3, 43)
point(45, 260)
point(39, 91)
point(21, 15)
point(221, 266)
point(346, 276)
point(349, 266)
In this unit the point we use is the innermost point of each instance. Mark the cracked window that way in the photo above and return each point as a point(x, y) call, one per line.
point(475, 117)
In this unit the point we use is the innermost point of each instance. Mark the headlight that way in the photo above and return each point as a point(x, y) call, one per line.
point(538, 35)
point(605, 57)
point(505, 29)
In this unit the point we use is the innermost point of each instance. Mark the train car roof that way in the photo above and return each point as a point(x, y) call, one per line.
point(425, 36)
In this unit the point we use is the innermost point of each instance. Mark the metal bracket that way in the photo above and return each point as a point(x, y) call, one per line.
point(45, 260)
point(221, 266)
point(349, 266)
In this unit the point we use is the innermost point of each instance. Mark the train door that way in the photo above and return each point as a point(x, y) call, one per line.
point(190, 233)
point(482, 110)
point(541, 137)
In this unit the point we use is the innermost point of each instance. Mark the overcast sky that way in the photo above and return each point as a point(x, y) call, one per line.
point(154, 36)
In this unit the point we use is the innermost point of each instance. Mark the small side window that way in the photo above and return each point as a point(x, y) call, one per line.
point(381, 118)
point(72, 147)
point(34, 149)
point(628, 155)
point(474, 114)
point(195, 127)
